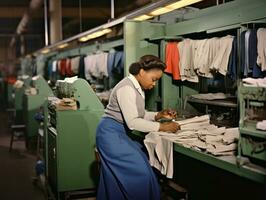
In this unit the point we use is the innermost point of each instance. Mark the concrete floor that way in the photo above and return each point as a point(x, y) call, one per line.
point(16, 167)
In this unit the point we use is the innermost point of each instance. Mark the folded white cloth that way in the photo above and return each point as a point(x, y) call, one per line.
point(210, 96)
point(261, 82)
point(206, 137)
point(160, 152)
point(261, 125)
point(231, 135)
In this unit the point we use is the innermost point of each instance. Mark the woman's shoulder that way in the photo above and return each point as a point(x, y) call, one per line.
point(124, 82)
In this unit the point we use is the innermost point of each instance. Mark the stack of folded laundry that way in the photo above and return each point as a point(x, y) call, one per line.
point(196, 133)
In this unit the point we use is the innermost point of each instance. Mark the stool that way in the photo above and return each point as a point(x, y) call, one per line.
point(17, 127)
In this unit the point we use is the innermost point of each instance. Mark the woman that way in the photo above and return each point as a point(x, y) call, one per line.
point(125, 171)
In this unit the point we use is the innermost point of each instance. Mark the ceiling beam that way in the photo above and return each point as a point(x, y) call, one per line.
point(96, 13)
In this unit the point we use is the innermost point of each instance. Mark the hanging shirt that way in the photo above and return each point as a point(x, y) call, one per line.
point(246, 68)
point(253, 54)
point(220, 62)
point(172, 60)
point(186, 65)
point(232, 61)
point(261, 59)
point(75, 64)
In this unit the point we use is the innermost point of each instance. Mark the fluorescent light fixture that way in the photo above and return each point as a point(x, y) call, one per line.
point(95, 35)
point(181, 4)
point(107, 30)
point(166, 9)
point(44, 51)
point(83, 39)
point(160, 11)
point(142, 17)
point(61, 46)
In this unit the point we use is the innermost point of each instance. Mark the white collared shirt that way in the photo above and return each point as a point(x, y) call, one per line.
point(126, 106)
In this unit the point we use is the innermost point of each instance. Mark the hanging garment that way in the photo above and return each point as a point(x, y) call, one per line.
point(201, 57)
point(101, 65)
point(125, 171)
point(68, 67)
point(246, 68)
point(75, 64)
point(186, 65)
point(62, 66)
point(261, 59)
point(40, 65)
point(242, 52)
point(232, 73)
point(90, 66)
point(81, 69)
point(253, 54)
point(172, 60)
point(115, 62)
point(220, 61)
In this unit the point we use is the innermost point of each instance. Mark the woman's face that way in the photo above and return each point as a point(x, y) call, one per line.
point(147, 79)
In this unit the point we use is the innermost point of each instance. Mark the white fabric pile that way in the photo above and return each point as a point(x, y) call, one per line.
point(255, 82)
point(18, 84)
point(196, 133)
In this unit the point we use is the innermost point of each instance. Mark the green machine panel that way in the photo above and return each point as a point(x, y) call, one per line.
point(70, 140)
point(72, 159)
point(32, 104)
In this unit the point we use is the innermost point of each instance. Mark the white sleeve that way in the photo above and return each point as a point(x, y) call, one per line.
point(150, 115)
point(126, 98)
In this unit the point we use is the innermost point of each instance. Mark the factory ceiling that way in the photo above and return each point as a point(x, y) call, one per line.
point(77, 16)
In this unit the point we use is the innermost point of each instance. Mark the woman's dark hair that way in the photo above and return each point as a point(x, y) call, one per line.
point(146, 63)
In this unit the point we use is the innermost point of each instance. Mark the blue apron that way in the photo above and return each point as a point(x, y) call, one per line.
point(125, 171)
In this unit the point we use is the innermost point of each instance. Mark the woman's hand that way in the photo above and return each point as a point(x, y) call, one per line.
point(166, 113)
point(169, 127)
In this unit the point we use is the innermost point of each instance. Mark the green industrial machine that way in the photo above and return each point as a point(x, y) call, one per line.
point(252, 143)
point(31, 105)
point(18, 101)
point(70, 140)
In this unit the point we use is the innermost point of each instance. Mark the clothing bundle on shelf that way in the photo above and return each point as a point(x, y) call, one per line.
point(188, 59)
